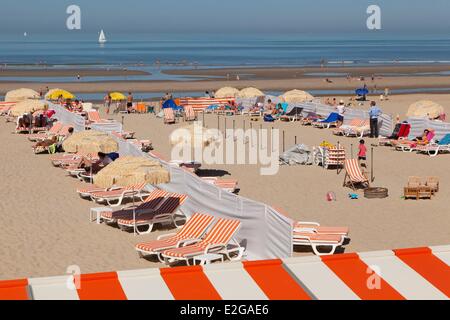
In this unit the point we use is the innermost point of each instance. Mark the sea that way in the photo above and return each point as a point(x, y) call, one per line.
point(158, 52)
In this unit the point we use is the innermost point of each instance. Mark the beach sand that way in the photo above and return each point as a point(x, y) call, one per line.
point(46, 225)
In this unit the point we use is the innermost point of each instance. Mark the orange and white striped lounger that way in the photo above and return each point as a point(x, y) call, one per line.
point(166, 213)
point(342, 129)
point(194, 229)
point(315, 240)
point(114, 198)
point(86, 190)
point(94, 117)
point(150, 204)
point(189, 114)
point(230, 185)
point(169, 116)
point(300, 227)
point(218, 240)
point(54, 130)
point(354, 176)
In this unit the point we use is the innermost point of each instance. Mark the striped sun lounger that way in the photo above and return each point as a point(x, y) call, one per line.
point(354, 175)
point(217, 240)
point(166, 213)
point(169, 116)
point(194, 229)
point(54, 130)
point(150, 204)
point(315, 240)
point(114, 198)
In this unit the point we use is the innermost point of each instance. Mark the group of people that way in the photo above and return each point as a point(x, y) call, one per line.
point(38, 119)
point(108, 100)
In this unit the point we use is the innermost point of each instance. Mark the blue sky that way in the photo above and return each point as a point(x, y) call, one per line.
point(226, 16)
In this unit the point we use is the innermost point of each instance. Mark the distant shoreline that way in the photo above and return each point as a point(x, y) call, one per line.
point(267, 79)
point(74, 72)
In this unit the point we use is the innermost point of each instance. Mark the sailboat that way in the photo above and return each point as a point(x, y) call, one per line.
point(102, 37)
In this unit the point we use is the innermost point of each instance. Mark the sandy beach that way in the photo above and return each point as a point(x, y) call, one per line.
point(47, 229)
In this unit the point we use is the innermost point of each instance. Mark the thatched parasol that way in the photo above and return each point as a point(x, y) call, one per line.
point(296, 96)
point(250, 93)
point(90, 141)
point(21, 95)
point(226, 92)
point(193, 134)
point(127, 171)
point(425, 108)
point(27, 106)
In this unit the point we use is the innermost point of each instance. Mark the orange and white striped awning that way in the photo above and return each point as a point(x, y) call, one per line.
point(420, 273)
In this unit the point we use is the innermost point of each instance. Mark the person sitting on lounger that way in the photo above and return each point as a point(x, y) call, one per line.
point(47, 142)
point(24, 121)
point(423, 140)
point(103, 161)
point(59, 144)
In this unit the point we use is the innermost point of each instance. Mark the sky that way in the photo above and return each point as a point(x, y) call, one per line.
point(226, 16)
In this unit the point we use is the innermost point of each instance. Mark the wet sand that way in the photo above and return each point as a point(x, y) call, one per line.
point(265, 85)
point(85, 72)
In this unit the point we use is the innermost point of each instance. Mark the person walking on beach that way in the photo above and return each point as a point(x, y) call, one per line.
point(362, 151)
point(374, 113)
point(129, 102)
point(108, 101)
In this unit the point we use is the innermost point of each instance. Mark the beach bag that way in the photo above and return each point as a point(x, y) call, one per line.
point(268, 118)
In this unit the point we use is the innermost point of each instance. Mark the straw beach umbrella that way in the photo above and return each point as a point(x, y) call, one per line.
point(425, 108)
point(27, 106)
point(227, 92)
point(128, 170)
point(90, 141)
point(54, 94)
point(250, 93)
point(296, 96)
point(21, 95)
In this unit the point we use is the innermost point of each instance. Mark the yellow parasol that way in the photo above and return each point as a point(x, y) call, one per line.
point(117, 96)
point(54, 94)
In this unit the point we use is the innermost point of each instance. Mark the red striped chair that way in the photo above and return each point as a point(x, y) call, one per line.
point(54, 130)
point(218, 240)
point(151, 204)
point(354, 175)
point(94, 117)
point(194, 229)
point(114, 198)
point(169, 116)
point(143, 223)
point(189, 114)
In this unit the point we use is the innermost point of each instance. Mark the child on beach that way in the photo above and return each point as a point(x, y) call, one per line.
point(362, 151)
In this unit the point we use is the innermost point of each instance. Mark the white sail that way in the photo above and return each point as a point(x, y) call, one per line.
point(102, 38)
